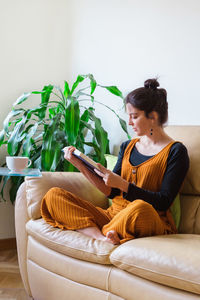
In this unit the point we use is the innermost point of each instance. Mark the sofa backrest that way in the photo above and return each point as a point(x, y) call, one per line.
point(190, 191)
point(37, 187)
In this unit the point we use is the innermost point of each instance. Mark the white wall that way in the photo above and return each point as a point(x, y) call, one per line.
point(35, 50)
point(128, 41)
point(121, 42)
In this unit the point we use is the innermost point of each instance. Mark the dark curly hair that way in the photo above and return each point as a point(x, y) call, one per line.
point(150, 98)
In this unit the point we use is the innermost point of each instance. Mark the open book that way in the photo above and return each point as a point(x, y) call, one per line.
point(90, 164)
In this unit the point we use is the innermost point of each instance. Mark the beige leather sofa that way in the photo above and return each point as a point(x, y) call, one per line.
point(66, 265)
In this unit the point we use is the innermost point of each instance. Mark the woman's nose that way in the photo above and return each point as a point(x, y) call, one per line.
point(130, 122)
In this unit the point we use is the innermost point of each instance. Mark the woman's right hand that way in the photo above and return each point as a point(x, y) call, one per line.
point(68, 153)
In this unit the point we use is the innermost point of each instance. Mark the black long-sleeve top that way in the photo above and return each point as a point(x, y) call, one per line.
point(177, 167)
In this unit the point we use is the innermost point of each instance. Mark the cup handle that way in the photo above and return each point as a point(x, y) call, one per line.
point(29, 162)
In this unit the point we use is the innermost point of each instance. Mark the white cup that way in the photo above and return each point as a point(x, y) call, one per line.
point(17, 163)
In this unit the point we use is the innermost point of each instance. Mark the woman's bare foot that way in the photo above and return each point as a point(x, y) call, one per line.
point(112, 237)
point(94, 232)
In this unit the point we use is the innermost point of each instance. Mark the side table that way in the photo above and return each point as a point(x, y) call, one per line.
point(26, 172)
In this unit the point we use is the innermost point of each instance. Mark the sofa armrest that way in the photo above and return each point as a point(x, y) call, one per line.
point(21, 218)
point(28, 201)
point(75, 182)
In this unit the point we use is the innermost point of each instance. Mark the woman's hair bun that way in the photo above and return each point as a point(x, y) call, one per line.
point(151, 84)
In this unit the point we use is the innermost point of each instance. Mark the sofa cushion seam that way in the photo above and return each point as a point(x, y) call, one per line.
point(108, 279)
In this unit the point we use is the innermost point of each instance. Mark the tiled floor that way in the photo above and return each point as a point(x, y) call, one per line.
point(11, 286)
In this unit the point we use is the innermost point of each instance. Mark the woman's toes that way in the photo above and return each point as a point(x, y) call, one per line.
point(113, 237)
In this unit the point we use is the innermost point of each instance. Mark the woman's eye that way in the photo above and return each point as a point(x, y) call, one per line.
point(133, 117)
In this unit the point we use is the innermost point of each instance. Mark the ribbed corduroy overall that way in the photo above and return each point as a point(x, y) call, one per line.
point(65, 210)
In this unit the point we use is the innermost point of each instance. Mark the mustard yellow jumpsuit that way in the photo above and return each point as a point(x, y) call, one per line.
point(130, 220)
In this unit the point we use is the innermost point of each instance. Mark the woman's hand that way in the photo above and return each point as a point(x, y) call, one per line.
point(111, 179)
point(95, 180)
point(76, 162)
point(68, 152)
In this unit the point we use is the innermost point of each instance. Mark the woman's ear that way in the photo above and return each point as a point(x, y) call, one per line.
point(154, 116)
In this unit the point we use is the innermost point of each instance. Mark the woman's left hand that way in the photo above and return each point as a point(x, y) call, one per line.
point(111, 179)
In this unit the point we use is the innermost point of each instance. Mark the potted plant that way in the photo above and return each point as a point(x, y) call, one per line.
point(63, 117)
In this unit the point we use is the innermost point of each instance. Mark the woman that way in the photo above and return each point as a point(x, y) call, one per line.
point(147, 177)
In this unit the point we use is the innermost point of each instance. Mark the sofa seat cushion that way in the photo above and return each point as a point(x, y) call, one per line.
point(69, 242)
point(172, 260)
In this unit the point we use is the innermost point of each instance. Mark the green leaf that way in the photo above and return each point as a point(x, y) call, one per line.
point(84, 94)
point(45, 96)
point(56, 156)
point(82, 131)
point(95, 147)
point(27, 141)
point(101, 136)
point(93, 83)
point(85, 118)
point(2, 136)
point(13, 142)
point(89, 126)
point(35, 156)
point(35, 111)
point(124, 126)
point(114, 90)
point(37, 92)
point(122, 122)
point(52, 112)
point(61, 93)
point(72, 121)
point(66, 89)
point(68, 167)
point(11, 114)
point(47, 90)
point(21, 99)
point(49, 143)
point(79, 79)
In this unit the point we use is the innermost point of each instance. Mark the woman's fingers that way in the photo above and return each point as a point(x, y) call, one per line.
point(99, 173)
point(68, 152)
point(105, 174)
point(102, 168)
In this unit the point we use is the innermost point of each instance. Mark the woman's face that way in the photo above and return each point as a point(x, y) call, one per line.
point(138, 120)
